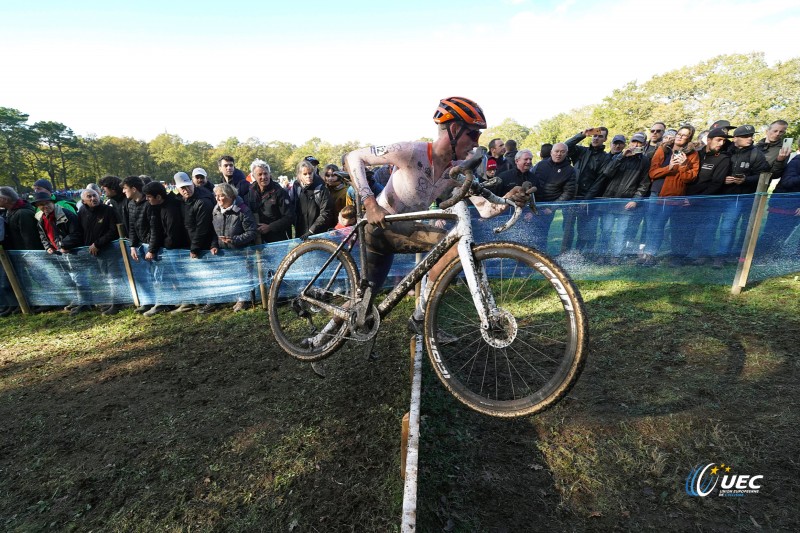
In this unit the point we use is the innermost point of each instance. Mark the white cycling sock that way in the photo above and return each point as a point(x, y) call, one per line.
point(419, 311)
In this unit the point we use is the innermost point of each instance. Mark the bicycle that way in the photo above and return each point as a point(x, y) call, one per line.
point(518, 321)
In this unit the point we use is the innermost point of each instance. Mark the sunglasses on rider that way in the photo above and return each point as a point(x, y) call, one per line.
point(474, 135)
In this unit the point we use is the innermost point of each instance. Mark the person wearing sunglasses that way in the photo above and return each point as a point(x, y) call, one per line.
point(421, 175)
point(656, 137)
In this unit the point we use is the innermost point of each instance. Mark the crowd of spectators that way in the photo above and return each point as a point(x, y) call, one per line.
point(680, 173)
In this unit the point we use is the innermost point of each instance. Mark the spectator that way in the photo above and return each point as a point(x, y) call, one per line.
point(346, 217)
point(167, 231)
point(21, 233)
point(311, 202)
point(784, 212)
point(517, 175)
point(44, 185)
point(383, 173)
point(579, 220)
point(137, 216)
point(694, 229)
point(656, 137)
point(747, 164)
point(497, 150)
point(314, 162)
point(491, 170)
point(99, 227)
point(772, 148)
point(511, 154)
point(197, 210)
point(675, 164)
point(555, 181)
point(234, 227)
point(60, 233)
point(669, 136)
point(234, 176)
point(269, 203)
point(200, 179)
point(625, 176)
point(617, 145)
point(112, 188)
point(374, 186)
point(336, 188)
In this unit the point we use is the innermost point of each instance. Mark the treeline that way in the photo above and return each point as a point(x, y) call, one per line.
point(743, 89)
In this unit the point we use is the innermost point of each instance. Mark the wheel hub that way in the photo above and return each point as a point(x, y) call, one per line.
point(502, 329)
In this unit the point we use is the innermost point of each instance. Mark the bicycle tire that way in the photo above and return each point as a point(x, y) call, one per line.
point(294, 321)
point(519, 367)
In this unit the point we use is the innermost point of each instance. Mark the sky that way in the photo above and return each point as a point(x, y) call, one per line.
point(342, 71)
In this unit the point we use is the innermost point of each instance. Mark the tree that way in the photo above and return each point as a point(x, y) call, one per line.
point(57, 138)
point(16, 141)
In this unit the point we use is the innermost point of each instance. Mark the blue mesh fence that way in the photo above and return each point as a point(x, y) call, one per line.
point(694, 239)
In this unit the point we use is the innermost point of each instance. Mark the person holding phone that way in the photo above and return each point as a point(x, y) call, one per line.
point(775, 150)
point(675, 164)
point(747, 163)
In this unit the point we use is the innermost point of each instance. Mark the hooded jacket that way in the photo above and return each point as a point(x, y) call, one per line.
point(236, 222)
point(68, 233)
point(239, 182)
point(673, 182)
point(138, 221)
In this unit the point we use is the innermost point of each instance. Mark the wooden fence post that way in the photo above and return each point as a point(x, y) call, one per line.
point(751, 234)
point(12, 279)
point(127, 262)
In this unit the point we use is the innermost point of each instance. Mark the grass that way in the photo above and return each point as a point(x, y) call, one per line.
point(200, 423)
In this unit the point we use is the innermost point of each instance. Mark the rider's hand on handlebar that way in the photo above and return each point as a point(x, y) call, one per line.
point(519, 195)
point(375, 213)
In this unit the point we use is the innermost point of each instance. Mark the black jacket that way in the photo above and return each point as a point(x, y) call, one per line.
point(22, 232)
point(313, 207)
point(714, 168)
point(166, 226)
point(750, 162)
point(554, 182)
point(99, 225)
point(138, 222)
point(510, 179)
point(197, 220)
point(68, 233)
point(239, 182)
point(272, 207)
point(623, 177)
point(588, 162)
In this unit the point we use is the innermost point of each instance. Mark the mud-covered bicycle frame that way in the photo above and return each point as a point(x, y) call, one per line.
point(460, 235)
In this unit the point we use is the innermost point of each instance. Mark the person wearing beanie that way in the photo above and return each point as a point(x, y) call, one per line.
point(44, 185)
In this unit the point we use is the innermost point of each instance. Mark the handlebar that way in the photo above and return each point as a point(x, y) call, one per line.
point(464, 175)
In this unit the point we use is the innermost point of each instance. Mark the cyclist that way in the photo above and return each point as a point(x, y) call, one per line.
point(420, 176)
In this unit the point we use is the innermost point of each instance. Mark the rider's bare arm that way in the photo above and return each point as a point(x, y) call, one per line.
point(397, 154)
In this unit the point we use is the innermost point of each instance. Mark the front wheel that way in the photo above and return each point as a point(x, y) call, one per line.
point(306, 331)
point(535, 347)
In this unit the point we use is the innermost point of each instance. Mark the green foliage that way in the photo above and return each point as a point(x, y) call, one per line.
point(741, 88)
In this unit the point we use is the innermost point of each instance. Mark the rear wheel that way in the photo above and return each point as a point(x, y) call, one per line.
point(535, 346)
point(306, 331)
